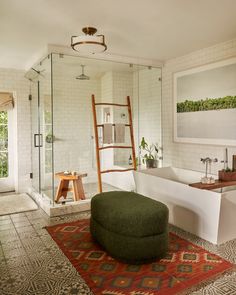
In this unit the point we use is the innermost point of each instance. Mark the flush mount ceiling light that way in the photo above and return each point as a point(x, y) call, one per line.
point(82, 76)
point(89, 43)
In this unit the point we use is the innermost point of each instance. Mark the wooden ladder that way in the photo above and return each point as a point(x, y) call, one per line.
point(98, 148)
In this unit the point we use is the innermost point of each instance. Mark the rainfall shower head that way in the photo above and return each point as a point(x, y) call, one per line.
point(82, 76)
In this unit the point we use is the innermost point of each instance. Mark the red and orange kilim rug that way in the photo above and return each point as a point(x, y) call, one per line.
point(185, 265)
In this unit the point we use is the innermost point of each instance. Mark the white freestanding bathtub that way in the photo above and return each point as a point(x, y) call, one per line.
point(210, 215)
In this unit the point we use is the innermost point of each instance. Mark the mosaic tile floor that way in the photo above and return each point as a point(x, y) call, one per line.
point(32, 264)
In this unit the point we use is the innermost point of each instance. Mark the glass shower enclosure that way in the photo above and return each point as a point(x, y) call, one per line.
point(41, 126)
point(62, 121)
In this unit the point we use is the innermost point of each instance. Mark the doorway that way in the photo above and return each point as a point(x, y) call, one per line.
point(6, 151)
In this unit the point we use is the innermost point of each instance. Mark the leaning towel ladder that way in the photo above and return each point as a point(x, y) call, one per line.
point(98, 148)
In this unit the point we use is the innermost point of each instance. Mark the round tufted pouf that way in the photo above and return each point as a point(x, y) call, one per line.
point(130, 227)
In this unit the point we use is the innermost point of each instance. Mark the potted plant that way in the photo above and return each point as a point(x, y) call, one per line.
point(149, 153)
point(227, 174)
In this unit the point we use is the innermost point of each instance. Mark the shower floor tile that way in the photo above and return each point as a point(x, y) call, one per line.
point(90, 189)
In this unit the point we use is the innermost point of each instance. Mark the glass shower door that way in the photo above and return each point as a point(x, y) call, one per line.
point(36, 168)
point(42, 136)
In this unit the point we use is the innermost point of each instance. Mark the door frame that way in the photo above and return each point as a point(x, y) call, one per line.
point(10, 183)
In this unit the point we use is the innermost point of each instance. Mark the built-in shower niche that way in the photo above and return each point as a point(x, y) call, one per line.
point(63, 116)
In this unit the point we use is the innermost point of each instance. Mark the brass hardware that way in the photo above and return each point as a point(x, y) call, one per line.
point(89, 42)
point(89, 30)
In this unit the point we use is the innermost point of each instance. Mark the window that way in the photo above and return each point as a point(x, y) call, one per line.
point(3, 144)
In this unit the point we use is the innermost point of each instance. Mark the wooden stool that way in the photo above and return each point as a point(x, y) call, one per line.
point(77, 186)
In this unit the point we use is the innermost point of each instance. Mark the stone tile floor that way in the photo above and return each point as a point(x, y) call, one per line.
point(32, 264)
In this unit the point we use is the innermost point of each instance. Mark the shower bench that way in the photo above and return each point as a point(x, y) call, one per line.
point(77, 186)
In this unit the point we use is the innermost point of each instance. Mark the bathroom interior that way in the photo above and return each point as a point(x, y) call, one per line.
point(176, 61)
point(62, 120)
point(63, 140)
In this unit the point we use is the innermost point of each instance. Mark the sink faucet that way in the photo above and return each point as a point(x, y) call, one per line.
point(205, 160)
point(208, 161)
point(225, 161)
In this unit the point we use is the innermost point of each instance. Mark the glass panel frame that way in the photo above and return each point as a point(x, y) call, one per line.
point(41, 120)
point(65, 69)
point(64, 105)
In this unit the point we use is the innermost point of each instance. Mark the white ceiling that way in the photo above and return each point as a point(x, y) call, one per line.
point(152, 29)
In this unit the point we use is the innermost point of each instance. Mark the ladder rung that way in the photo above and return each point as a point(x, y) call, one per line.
point(96, 125)
point(110, 104)
point(115, 147)
point(101, 125)
point(117, 170)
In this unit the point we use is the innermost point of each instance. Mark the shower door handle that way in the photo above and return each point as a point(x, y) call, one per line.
point(38, 140)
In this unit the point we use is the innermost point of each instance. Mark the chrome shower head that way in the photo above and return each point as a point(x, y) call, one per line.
point(82, 76)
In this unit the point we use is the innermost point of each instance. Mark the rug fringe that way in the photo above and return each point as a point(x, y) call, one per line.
point(206, 282)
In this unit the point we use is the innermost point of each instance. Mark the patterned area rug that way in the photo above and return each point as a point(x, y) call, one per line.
point(185, 266)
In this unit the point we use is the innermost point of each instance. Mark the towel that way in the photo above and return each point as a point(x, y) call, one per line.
point(119, 133)
point(107, 133)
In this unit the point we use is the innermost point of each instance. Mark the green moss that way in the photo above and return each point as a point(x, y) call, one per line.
point(208, 104)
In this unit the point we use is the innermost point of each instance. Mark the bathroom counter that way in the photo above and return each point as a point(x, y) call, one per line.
point(217, 184)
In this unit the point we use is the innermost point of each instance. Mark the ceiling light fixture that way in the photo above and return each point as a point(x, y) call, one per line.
point(82, 76)
point(89, 43)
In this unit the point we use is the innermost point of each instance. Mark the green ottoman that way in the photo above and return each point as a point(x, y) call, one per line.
point(129, 226)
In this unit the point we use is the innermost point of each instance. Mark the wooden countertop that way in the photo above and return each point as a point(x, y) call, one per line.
point(217, 184)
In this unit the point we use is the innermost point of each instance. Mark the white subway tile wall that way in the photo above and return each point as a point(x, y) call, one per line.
point(188, 155)
point(72, 122)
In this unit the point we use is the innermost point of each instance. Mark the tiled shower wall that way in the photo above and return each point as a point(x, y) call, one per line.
point(107, 156)
point(72, 117)
point(122, 87)
point(115, 87)
point(149, 106)
point(185, 155)
point(144, 89)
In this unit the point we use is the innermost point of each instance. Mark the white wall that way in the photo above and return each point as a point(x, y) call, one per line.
point(13, 80)
point(115, 87)
point(122, 87)
point(147, 107)
point(188, 155)
point(150, 105)
point(106, 156)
